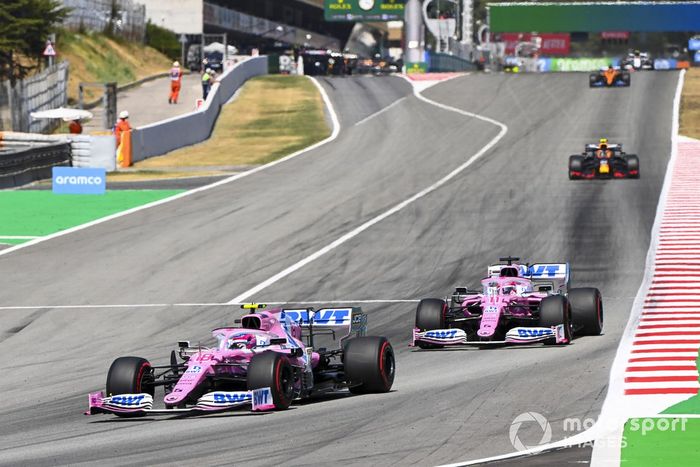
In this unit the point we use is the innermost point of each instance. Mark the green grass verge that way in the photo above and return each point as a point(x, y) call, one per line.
point(670, 442)
point(688, 406)
point(39, 213)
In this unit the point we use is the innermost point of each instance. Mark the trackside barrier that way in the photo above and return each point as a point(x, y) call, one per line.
point(29, 163)
point(25, 157)
point(162, 137)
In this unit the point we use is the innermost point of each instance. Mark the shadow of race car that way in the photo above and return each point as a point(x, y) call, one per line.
point(603, 161)
point(517, 304)
point(267, 362)
point(609, 78)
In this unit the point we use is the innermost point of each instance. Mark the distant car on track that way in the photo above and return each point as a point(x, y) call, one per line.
point(603, 160)
point(517, 304)
point(637, 61)
point(610, 77)
point(267, 362)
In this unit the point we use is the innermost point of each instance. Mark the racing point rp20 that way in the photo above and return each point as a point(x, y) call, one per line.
point(267, 362)
point(517, 304)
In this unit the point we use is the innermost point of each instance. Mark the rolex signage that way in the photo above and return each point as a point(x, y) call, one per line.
point(364, 10)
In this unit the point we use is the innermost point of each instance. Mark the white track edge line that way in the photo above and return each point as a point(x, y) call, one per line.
point(334, 134)
point(396, 208)
point(379, 112)
point(592, 432)
point(610, 414)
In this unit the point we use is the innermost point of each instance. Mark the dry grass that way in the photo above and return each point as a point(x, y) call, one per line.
point(273, 116)
point(145, 175)
point(690, 104)
point(97, 58)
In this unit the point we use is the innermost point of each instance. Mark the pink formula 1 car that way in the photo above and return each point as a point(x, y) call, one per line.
point(518, 304)
point(267, 362)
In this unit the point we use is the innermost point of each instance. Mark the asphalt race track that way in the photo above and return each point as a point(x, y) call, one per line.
point(210, 247)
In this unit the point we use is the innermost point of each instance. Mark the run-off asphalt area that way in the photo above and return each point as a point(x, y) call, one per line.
point(209, 247)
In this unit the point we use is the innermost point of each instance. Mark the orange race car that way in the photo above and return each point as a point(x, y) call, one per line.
point(609, 77)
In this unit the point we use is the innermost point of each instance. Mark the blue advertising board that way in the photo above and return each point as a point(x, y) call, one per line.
point(696, 57)
point(694, 44)
point(79, 181)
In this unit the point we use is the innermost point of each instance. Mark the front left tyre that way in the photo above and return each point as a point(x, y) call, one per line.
point(554, 311)
point(272, 370)
point(130, 375)
point(586, 310)
point(575, 167)
point(430, 314)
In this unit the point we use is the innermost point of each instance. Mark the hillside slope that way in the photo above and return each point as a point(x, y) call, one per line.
point(97, 58)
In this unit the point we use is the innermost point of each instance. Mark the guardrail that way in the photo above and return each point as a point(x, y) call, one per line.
point(162, 137)
point(32, 163)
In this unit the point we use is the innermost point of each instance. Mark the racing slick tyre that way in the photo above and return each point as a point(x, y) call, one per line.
point(575, 167)
point(130, 375)
point(556, 310)
point(632, 165)
point(272, 370)
point(626, 78)
point(369, 364)
point(586, 311)
point(430, 314)
point(592, 80)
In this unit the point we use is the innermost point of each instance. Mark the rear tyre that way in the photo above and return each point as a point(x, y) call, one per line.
point(586, 310)
point(369, 364)
point(130, 375)
point(626, 78)
point(430, 314)
point(555, 310)
point(632, 165)
point(272, 370)
point(575, 167)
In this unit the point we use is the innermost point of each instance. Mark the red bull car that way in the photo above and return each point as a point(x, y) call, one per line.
point(517, 304)
point(603, 161)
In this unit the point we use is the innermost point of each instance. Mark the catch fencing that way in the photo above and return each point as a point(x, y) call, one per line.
point(43, 91)
point(128, 21)
point(162, 137)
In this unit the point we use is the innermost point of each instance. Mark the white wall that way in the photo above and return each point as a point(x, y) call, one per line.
point(181, 16)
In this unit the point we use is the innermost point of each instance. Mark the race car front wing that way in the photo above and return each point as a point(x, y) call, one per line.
point(142, 404)
point(518, 335)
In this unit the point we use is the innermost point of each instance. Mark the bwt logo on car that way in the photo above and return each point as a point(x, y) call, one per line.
point(329, 316)
point(441, 334)
point(230, 397)
point(127, 400)
point(534, 332)
point(262, 396)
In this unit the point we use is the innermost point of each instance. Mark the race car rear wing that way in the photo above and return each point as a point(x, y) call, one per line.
point(545, 277)
point(327, 321)
point(594, 147)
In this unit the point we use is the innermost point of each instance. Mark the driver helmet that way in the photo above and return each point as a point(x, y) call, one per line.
point(246, 341)
point(603, 143)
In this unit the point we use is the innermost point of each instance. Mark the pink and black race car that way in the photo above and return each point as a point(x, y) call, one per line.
point(518, 304)
point(267, 362)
